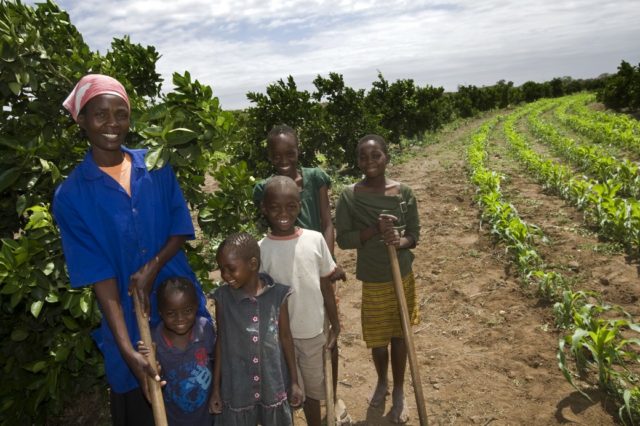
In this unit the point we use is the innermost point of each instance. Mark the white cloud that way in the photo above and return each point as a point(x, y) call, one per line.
point(242, 46)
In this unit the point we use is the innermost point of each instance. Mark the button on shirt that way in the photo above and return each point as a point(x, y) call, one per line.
point(108, 234)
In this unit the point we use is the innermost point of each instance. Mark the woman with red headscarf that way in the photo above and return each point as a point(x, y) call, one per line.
point(122, 229)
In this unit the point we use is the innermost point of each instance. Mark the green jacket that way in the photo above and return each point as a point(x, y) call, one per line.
point(359, 210)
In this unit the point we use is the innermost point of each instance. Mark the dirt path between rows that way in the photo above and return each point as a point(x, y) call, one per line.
point(486, 347)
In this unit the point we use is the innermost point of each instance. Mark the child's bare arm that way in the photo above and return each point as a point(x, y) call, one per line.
point(144, 350)
point(325, 218)
point(215, 401)
point(331, 310)
point(286, 342)
point(407, 241)
point(328, 230)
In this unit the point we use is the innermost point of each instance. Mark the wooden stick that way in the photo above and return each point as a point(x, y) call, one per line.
point(157, 403)
point(328, 385)
point(408, 335)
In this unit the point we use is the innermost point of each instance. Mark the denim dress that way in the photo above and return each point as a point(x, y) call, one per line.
point(254, 379)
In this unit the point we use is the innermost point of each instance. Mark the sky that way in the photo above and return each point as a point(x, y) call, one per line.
point(243, 46)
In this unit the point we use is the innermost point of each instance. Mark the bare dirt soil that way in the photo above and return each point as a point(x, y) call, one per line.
point(486, 346)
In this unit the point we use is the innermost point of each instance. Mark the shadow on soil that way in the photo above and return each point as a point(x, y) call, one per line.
point(575, 404)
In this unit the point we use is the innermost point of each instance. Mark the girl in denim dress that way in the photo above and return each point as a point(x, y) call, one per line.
point(255, 379)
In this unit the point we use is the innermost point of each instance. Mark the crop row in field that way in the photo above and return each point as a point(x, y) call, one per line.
point(616, 217)
point(601, 127)
point(591, 159)
point(595, 340)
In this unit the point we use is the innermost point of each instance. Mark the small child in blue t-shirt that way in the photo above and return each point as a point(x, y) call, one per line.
point(184, 349)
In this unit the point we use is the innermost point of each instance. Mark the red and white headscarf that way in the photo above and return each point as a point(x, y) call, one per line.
point(90, 86)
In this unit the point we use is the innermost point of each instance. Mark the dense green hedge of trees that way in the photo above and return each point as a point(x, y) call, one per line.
point(46, 354)
point(622, 89)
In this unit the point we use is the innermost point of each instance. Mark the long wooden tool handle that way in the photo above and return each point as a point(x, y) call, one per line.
point(328, 385)
point(408, 335)
point(157, 403)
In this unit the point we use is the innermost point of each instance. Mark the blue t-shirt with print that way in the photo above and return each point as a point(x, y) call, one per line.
point(189, 375)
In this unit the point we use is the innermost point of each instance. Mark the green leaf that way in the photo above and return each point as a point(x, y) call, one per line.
point(152, 131)
point(635, 327)
point(36, 307)
point(155, 113)
point(10, 288)
point(51, 298)
point(9, 177)
point(180, 136)
point(15, 299)
point(61, 354)
point(36, 366)
point(19, 334)
point(55, 173)
point(45, 165)
point(6, 403)
point(152, 158)
point(70, 323)
point(15, 87)
point(49, 268)
point(21, 204)
point(11, 143)
point(85, 303)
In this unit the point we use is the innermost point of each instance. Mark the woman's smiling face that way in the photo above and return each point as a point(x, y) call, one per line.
point(105, 119)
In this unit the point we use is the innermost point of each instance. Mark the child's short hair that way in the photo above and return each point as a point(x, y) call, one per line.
point(279, 183)
point(241, 243)
point(376, 138)
point(281, 129)
point(175, 285)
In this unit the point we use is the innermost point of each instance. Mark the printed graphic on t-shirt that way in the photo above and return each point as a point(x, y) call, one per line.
point(188, 384)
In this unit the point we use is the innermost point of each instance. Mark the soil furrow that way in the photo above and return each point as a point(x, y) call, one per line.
point(572, 249)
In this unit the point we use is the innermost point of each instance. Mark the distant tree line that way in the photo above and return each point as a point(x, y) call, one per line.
point(334, 116)
point(622, 89)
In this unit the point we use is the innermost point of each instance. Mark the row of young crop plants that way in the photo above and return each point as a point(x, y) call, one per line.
point(591, 159)
point(617, 217)
point(600, 126)
point(591, 334)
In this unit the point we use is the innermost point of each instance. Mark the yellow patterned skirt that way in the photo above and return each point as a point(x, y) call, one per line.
point(380, 312)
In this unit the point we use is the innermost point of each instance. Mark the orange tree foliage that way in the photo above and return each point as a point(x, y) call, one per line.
point(46, 353)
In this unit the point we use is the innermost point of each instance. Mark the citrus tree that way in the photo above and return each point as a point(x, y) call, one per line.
point(46, 353)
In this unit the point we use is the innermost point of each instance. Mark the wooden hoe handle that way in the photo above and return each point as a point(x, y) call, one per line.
point(328, 385)
point(157, 403)
point(408, 335)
